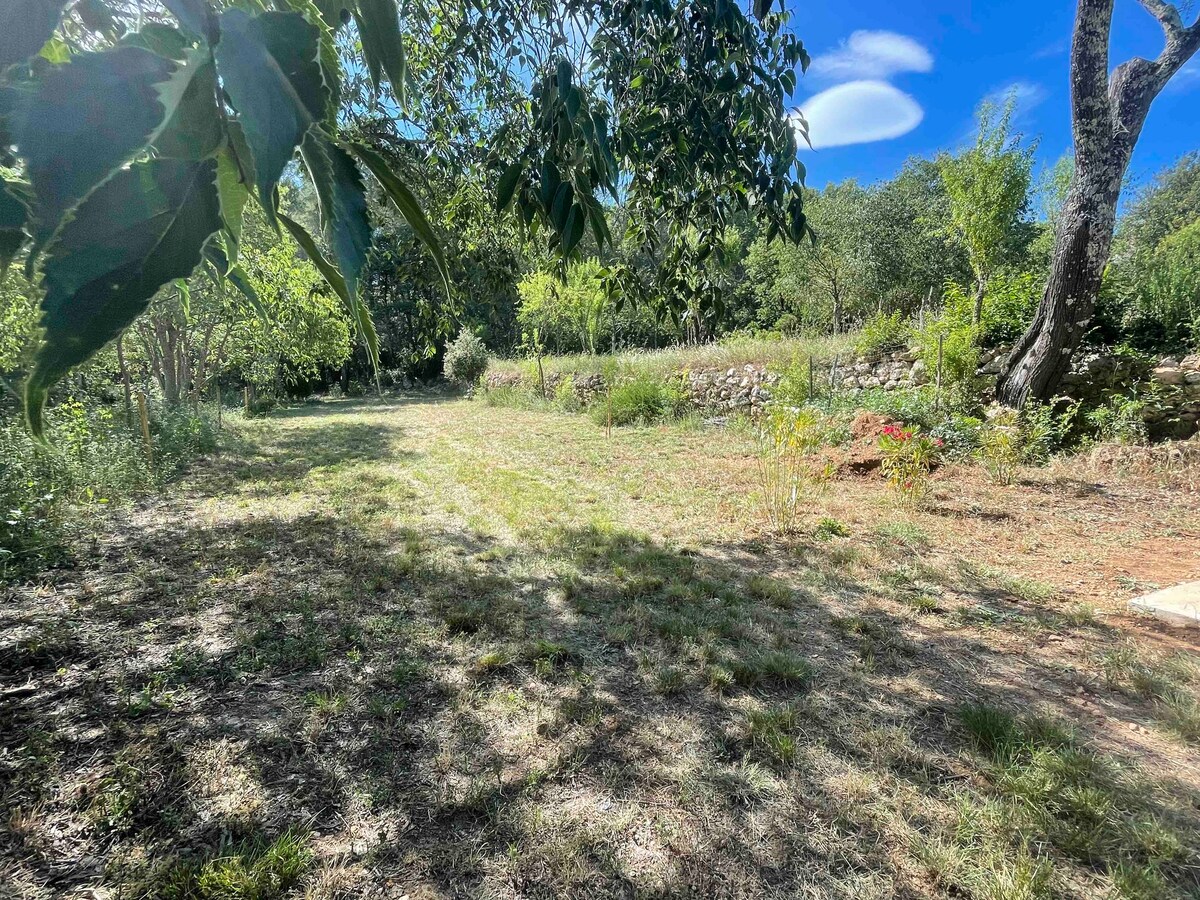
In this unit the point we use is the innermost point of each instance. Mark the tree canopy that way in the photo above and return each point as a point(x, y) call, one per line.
point(136, 137)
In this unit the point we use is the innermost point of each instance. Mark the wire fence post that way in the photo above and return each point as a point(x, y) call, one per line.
point(833, 375)
point(145, 417)
point(937, 397)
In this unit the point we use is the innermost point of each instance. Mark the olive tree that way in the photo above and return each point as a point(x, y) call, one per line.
point(1108, 111)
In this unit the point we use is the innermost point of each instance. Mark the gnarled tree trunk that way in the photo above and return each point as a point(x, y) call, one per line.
point(1107, 118)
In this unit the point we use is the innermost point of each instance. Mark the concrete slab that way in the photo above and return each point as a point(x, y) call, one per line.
point(1179, 605)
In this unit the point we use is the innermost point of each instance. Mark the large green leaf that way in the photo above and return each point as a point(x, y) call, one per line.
point(239, 279)
point(232, 186)
point(357, 310)
point(196, 16)
point(12, 224)
point(406, 203)
point(25, 25)
point(382, 44)
point(195, 130)
point(268, 67)
point(158, 38)
point(82, 121)
point(331, 63)
point(508, 185)
point(342, 202)
point(142, 229)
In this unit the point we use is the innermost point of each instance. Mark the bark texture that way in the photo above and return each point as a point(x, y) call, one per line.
point(1107, 117)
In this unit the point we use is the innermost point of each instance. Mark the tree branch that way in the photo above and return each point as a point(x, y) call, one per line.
point(1182, 41)
point(1167, 15)
point(1091, 112)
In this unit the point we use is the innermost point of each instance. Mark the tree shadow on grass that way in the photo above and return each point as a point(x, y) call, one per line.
point(288, 456)
point(586, 712)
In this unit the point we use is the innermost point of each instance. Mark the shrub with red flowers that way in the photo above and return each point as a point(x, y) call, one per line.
point(908, 458)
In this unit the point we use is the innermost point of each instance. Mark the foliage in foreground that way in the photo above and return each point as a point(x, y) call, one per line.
point(641, 400)
point(168, 125)
point(1053, 796)
point(97, 457)
point(466, 358)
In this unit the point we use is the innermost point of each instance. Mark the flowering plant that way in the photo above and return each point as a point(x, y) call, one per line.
point(908, 457)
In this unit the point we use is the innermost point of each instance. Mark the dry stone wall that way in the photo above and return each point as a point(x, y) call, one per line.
point(1175, 412)
point(1171, 388)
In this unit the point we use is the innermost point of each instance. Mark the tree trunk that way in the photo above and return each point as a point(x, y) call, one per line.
point(980, 290)
point(1107, 118)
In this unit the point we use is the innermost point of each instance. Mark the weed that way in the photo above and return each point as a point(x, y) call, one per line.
point(770, 733)
point(921, 603)
point(789, 479)
point(829, 528)
point(999, 450)
point(904, 533)
point(669, 681)
point(642, 400)
point(771, 590)
point(1170, 682)
point(256, 871)
point(772, 666)
point(1069, 796)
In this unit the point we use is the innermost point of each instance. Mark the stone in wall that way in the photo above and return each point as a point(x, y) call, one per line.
point(746, 388)
point(891, 371)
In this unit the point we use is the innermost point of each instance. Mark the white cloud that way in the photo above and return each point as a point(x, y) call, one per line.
point(1186, 78)
point(1026, 95)
point(859, 112)
point(1054, 48)
point(871, 55)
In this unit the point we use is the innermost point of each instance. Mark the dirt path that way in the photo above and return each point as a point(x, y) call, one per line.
point(429, 648)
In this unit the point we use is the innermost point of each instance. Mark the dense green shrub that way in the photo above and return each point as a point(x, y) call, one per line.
point(792, 389)
point(466, 358)
point(788, 324)
point(93, 457)
point(641, 400)
point(882, 333)
point(565, 397)
point(955, 338)
point(1009, 304)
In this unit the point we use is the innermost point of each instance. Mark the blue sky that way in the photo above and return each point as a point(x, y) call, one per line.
point(893, 79)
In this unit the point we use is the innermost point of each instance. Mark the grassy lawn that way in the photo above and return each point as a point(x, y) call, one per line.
point(777, 354)
point(428, 648)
